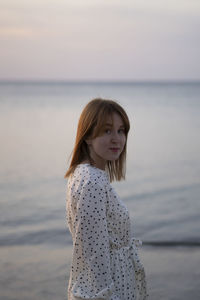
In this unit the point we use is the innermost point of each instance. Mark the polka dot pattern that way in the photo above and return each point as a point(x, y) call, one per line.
point(105, 262)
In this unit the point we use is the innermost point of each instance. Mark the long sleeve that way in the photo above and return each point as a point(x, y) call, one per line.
point(90, 272)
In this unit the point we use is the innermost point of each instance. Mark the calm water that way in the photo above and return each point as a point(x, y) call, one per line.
point(37, 131)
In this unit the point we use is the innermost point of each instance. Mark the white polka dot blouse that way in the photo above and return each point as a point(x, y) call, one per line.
point(105, 262)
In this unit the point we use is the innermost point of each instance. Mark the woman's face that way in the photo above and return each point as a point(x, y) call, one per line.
point(110, 144)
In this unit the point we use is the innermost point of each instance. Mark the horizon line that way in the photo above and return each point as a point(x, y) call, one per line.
point(95, 81)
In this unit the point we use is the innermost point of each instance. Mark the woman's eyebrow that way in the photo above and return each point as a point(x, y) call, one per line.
point(110, 125)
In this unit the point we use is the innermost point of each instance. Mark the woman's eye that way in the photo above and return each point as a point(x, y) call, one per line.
point(108, 131)
point(121, 131)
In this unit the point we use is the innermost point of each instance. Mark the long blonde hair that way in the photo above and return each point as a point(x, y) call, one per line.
point(91, 122)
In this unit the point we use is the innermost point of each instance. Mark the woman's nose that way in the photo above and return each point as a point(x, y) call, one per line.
point(115, 137)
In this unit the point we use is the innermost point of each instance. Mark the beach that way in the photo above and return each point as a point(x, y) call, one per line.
point(162, 187)
point(37, 272)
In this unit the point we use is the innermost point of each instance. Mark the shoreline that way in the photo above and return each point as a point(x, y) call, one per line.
point(172, 272)
point(42, 272)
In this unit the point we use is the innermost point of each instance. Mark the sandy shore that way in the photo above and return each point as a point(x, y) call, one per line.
point(172, 273)
point(37, 272)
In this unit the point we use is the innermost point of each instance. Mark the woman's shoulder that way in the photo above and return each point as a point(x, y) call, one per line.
point(86, 173)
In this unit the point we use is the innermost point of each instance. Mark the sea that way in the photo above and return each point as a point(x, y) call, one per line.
point(38, 121)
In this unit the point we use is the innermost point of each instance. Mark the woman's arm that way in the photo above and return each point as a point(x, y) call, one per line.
point(91, 257)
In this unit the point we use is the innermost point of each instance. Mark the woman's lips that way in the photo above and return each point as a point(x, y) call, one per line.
point(113, 149)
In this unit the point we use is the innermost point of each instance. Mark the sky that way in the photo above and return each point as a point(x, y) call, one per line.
point(99, 40)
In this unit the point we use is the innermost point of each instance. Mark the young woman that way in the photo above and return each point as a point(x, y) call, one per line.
point(105, 262)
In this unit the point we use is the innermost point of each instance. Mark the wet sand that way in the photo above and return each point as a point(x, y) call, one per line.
point(172, 273)
point(41, 272)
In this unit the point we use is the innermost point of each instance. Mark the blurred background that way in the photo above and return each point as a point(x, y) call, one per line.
point(55, 56)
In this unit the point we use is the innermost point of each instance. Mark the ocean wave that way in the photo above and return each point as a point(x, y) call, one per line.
point(49, 236)
point(162, 191)
point(62, 237)
point(172, 243)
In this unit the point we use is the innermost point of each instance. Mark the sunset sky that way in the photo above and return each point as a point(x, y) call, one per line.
point(100, 39)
